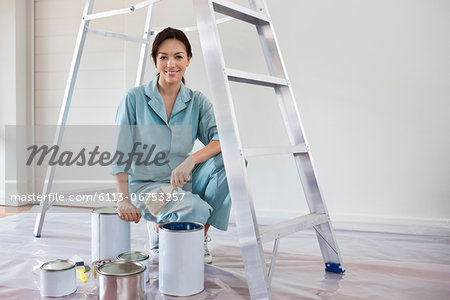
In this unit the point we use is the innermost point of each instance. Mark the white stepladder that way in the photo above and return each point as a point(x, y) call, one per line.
point(250, 237)
point(219, 76)
point(79, 45)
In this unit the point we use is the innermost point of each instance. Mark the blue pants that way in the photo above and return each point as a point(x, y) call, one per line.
point(206, 199)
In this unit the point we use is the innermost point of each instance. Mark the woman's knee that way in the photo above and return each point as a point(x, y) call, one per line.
point(218, 161)
point(201, 207)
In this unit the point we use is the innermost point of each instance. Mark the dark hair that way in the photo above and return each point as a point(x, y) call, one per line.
point(170, 33)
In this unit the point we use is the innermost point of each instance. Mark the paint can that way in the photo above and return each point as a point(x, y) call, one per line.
point(121, 280)
point(58, 278)
point(110, 234)
point(139, 257)
point(181, 258)
point(98, 263)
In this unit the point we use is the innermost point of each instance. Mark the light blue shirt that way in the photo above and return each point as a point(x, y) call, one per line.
point(143, 108)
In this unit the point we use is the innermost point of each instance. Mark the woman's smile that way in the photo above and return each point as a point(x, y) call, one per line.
point(172, 73)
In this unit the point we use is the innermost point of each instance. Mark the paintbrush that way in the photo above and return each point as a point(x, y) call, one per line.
point(156, 201)
point(79, 264)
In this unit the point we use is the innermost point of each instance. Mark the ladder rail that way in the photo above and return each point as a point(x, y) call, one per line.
point(248, 230)
point(84, 28)
point(289, 109)
point(273, 260)
point(294, 127)
point(316, 204)
point(144, 47)
point(277, 68)
point(50, 173)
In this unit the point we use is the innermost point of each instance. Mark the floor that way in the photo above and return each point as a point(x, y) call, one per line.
point(10, 211)
point(382, 261)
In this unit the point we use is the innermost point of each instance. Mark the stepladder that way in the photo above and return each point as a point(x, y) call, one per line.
point(251, 237)
point(83, 30)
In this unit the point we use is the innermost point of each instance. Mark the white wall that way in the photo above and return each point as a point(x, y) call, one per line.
point(15, 80)
point(7, 65)
point(99, 83)
point(372, 82)
point(370, 78)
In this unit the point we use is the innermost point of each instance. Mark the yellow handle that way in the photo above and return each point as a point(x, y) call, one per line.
point(81, 274)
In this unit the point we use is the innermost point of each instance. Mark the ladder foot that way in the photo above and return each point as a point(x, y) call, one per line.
point(37, 236)
point(333, 267)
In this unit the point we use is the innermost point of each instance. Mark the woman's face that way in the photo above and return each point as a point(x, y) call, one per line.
point(172, 61)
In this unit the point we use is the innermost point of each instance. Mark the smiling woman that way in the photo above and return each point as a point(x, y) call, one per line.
point(172, 117)
point(171, 54)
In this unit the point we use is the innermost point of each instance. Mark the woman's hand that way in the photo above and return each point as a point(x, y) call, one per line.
point(128, 211)
point(182, 174)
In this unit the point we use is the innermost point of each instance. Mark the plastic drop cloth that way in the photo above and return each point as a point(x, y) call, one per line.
point(382, 261)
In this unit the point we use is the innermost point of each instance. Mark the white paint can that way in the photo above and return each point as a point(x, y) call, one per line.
point(181, 258)
point(110, 234)
point(121, 280)
point(139, 257)
point(58, 278)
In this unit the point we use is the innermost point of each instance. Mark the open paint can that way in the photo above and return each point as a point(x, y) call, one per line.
point(110, 234)
point(121, 280)
point(97, 264)
point(139, 257)
point(58, 278)
point(181, 258)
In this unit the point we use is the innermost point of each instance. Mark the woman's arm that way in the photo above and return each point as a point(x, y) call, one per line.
point(127, 211)
point(182, 174)
point(210, 150)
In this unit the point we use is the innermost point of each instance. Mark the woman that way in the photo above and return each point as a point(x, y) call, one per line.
point(169, 116)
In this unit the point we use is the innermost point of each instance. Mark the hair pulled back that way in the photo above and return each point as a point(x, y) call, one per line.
point(170, 33)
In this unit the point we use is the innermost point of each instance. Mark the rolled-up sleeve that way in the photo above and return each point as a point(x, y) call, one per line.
point(207, 128)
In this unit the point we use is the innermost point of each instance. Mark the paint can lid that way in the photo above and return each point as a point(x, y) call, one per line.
point(181, 226)
point(120, 268)
point(133, 256)
point(105, 210)
point(58, 265)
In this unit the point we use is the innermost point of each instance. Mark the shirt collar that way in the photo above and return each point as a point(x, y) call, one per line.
point(156, 101)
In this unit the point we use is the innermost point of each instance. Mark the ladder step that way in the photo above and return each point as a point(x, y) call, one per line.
point(109, 13)
point(285, 228)
point(119, 11)
point(239, 12)
point(274, 150)
point(120, 36)
point(254, 78)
